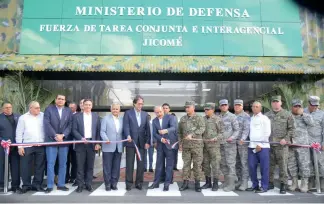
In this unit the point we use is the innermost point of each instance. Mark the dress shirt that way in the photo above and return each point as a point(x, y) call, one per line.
point(87, 120)
point(260, 130)
point(30, 128)
point(59, 111)
point(138, 117)
point(160, 121)
point(116, 121)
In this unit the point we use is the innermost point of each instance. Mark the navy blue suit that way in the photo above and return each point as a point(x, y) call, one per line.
point(164, 152)
point(53, 125)
point(8, 131)
point(85, 153)
point(141, 135)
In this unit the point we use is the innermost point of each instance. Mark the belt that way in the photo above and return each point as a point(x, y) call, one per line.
point(88, 138)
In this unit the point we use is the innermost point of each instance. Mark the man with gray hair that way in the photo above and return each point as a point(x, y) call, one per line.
point(30, 130)
point(228, 146)
point(316, 134)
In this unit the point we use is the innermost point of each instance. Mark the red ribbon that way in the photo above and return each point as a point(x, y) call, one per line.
point(6, 146)
point(316, 146)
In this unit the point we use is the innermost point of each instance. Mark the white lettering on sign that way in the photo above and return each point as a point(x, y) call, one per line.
point(163, 42)
point(59, 28)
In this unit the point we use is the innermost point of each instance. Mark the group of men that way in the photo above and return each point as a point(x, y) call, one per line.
point(217, 144)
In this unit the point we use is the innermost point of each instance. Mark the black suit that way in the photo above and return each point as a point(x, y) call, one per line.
point(8, 131)
point(85, 153)
point(141, 135)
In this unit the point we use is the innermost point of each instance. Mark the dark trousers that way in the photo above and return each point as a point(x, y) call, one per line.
point(150, 153)
point(85, 158)
point(14, 161)
point(33, 156)
point(164, 154)
point(175, 152)
point(71, 169)
point(130, 159)
point(111, 167)
point(262, 157)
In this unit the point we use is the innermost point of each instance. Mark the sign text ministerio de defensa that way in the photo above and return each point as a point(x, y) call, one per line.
point(213, 13)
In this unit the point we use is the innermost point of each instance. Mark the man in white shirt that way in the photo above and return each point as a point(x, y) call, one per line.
point(260, 130)
point(30, 130)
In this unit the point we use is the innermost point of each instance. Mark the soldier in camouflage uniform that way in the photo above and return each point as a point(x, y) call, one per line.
point(299, 157)
point(228, 146)
point(242, 167)
point(212, 157)
point(316, 134)
point(190, 130)
point(282, 130)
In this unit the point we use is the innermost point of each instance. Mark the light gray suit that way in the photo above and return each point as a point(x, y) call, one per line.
point(111, 152)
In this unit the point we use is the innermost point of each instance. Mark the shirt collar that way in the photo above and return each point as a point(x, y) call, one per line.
point(58, 108)
point(137, 111)
point(87, 114)
point(116, 117)
point(259, 114)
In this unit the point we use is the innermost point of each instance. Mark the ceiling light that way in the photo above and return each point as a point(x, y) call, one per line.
point(206, 90)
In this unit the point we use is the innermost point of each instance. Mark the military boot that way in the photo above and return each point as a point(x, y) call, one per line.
point(224, 184)
point(238, 183)
point(304, 185)
point(244, 185)
point(294, 184)
point(270, 186)
point(283, 187)
point(215, 185)
point(311, 183)
point(322, 185)
point(207, 184)
point(197, 186)
point(184, 185)
point(230, 184)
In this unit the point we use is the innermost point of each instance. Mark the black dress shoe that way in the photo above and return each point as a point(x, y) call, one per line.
point(89, 188)
point(252, 189)
point(270, 186)
point(63, 188)
point(71, 180)
point(108, 188)
point(79, 189)
point(166, 188)
point(94, 177)
point(75, 184)
point(260, 190)
point(175, 169)
point(151, 170)
point(145, 170)
point(128, 188)
point(14, 189)
point(139, 186)
point(38, 189)
point(283, 188)
point(114, 187)
point(154, 185)
point(48, 190)
point(23, 190)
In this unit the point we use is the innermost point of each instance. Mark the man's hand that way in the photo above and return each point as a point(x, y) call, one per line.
point(258, 148)
point(59, 137)
point(188, 137)
point(147, 146)
point(129, 139)
point(229, 139)
point(241, 142)
point(163, 132)
point(163, 140)
point(97, 147)
point(283, 142)
point(85, 140)
point(180, 147)
point(108, 141)
point(155, 145)
point(21, 151)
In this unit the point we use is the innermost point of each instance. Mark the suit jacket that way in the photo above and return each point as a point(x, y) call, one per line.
point(54, 125)
point(6, 130)
point(78, 128)
point(141, 135)
point(167, 123)
point(108, 131)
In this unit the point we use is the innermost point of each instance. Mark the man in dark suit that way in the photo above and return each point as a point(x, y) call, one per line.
point(86, 127)
point(163, 130)
point(8, 125)
point(57, 125)
point(136, 125)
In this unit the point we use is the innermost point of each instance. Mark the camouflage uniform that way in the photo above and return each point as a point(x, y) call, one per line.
point(192, 150)
point(282, 127)
point(212, 156)
point(229, 150)
point(242, 167)
point(316, 134)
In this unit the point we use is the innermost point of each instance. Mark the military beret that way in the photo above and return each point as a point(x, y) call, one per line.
point(238, 102)
point(223, 102)
point(208, 106)
point(314, 100)
point(276, 98)
point(190, 103)
point(297, 102)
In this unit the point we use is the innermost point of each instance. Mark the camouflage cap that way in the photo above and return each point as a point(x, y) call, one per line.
point(276, 98)
point(189, 103)
point(209, 106)
point(297, 102)
point(314, 100)
point(223, 102)
point(238, 102)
